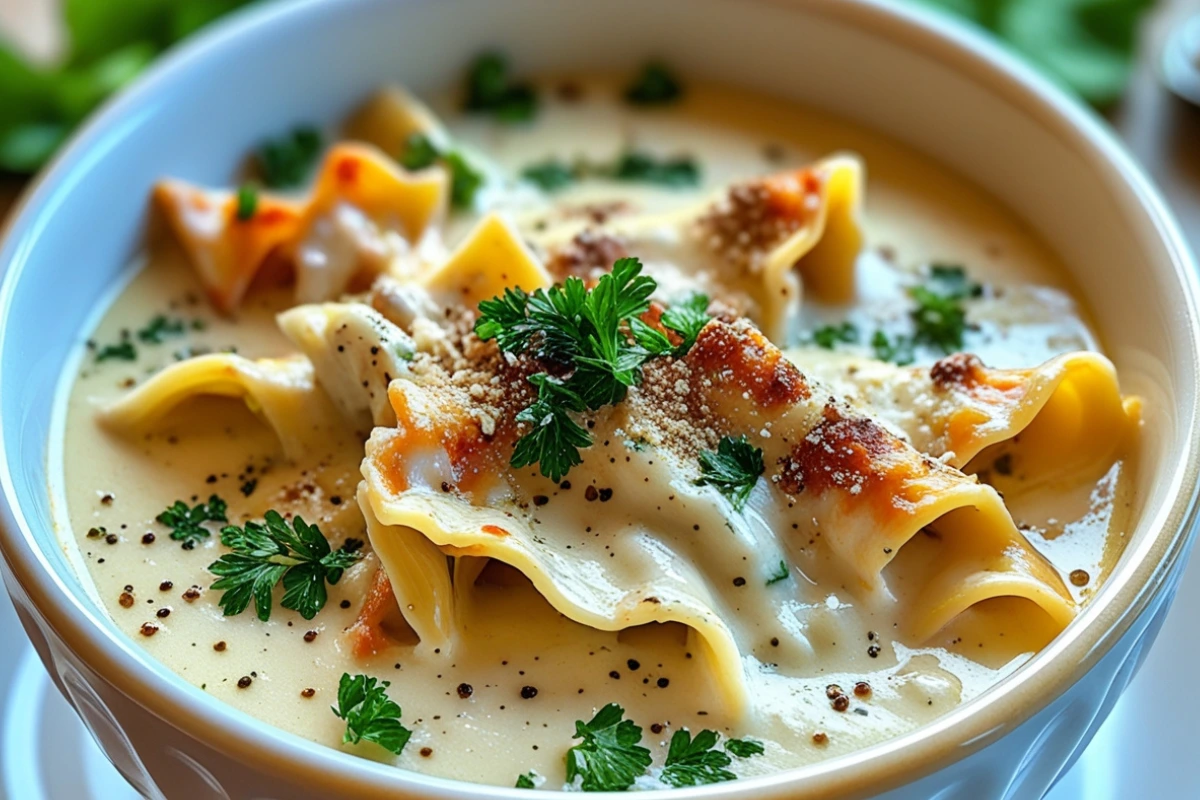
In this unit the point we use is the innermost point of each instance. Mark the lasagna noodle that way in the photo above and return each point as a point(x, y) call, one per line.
point(362, 213)
point(756, 246)
point(281, 391)
point(662, 553)
point(1064, 416)
point(356, 353)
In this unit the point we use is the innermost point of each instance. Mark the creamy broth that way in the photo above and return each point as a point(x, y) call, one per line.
point(506, 700)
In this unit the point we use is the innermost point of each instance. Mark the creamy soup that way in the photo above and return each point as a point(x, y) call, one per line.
point(763, 538)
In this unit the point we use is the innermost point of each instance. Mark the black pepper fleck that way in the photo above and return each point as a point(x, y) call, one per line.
point(245, 681)
point(528, 692)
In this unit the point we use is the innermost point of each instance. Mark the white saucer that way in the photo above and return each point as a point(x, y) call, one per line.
point(1144, 749)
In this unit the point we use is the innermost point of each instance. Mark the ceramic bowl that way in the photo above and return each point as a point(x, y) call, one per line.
point(937, 88)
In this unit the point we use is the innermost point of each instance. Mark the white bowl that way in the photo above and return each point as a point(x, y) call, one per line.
point(938, 88)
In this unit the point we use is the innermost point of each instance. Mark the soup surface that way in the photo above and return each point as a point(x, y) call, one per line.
point(795, 624)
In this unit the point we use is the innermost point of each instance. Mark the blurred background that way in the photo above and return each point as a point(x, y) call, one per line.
point(59, 59)
point(1137, 62)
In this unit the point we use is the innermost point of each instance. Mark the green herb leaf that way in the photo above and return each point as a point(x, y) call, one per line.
point(898, 350)
point(781, 573)
point(159, 328)
point(687, 319)
point(940, 318)
point(588, 333)
point(266, 553)
point(654, 86)
point(609, 757)
point(695, 762)
point(733, 469)
point(287, 162)
point(526, 781)
point(187, 524)
point(122, 351)
point(829, 335)
point(951, 281)
point(675, 173)
point(744, 748)
point(418, 152)
point(247, 202)
point(490, 90)
point(369, 714)
point(465, 180)
point(550, 175)
point(556, 439)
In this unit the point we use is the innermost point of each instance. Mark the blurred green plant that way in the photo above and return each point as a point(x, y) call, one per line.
point(110, 42)
point(1086, 45)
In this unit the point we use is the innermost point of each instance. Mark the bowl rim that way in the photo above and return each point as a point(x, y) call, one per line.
point(1141, 575)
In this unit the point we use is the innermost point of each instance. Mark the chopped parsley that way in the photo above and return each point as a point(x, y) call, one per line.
point(553, 174)
point(159, 328)
point(695, 762)
point(675, 172)
point(550, 175)
point(264, 553)
point(420, 152)
point(247, 202)
point(939, 318)
point(609, 758)
point(121, 351)
point(654, 86)
point(188, 523)
point(744, 748)
point(286, 162)
point(781, 573)
point(733, 469)
point(490, 90)
point(898, 349)
point(526, 781)
point(370, 715)
point(596, 335)
point(829, 336)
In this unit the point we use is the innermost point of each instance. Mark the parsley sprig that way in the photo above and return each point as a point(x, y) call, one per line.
point(420, 152)
point(266, 553)
point(286, 162)
point(695, 761)
point(188, 522)
point(369, 714)
point(609, 758)
point(654, 86)
point(744, 748)
point(828, 336)
point(939, 319)
point(595, 335)
point(527, 780)
point(490, 90)
point(733, 469)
